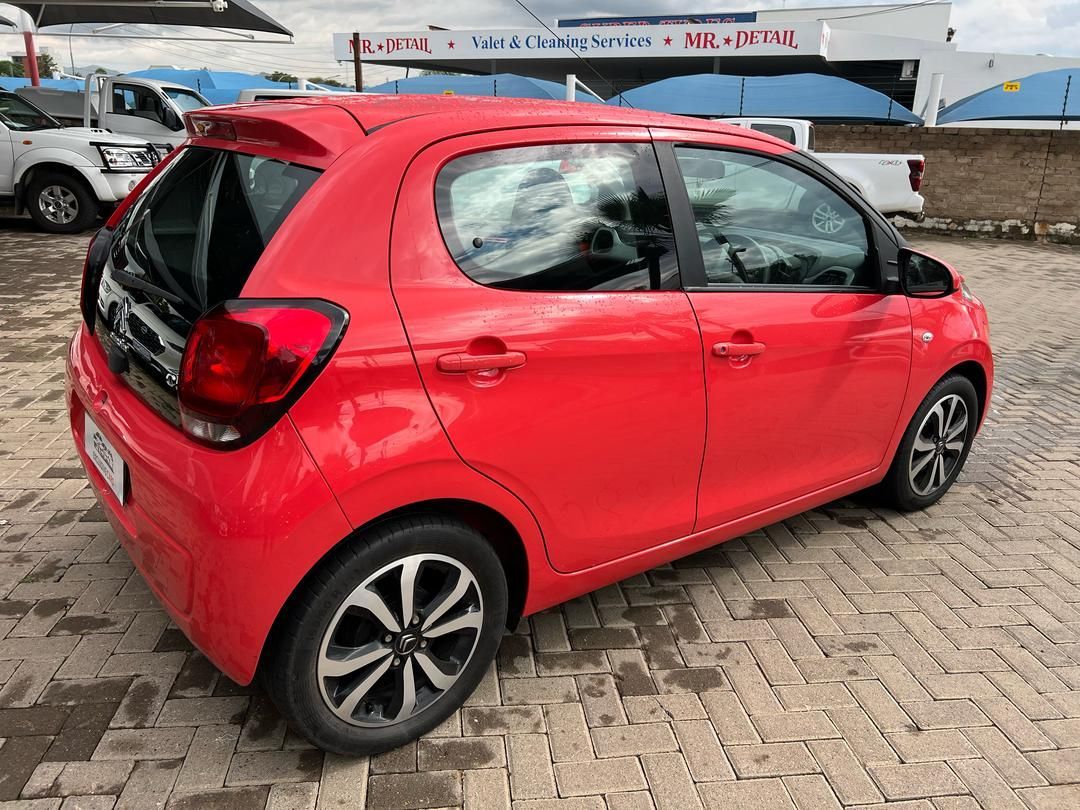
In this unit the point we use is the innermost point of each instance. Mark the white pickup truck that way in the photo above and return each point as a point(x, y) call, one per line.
point(126, 105)
point(64, 177)
point(890, 183)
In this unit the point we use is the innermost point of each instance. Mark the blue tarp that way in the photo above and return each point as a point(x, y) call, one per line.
point(509, 85)
point(1040, 97)
point(219, 86)
point(10, 84)
point(799, 95)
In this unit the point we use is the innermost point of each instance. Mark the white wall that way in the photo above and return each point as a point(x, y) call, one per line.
point(921, 22)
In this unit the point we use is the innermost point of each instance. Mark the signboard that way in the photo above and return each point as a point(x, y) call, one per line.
point(731, 39)
point(664, 19)
point(1011, 87)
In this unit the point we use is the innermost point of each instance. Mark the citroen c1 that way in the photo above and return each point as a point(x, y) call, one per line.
point(362, 381)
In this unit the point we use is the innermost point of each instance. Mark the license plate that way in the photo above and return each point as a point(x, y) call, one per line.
point(105, 458)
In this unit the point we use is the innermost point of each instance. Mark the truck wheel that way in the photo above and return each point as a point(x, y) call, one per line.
point(60, 203)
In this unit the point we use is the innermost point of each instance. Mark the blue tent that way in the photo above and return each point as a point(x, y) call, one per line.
point(219, 86)
point(800, 95)
point(11, 84)
point(1053, 95)
point(499, 84)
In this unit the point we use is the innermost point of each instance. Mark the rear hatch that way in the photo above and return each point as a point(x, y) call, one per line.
point(187, 244)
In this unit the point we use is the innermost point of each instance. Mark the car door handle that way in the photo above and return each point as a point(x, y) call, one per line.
point(737, 349)
point(460, 362)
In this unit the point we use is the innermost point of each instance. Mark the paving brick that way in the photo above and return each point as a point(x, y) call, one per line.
point(267, 767)
point(670, 782)
point(149, 743)
point(755, 794)
point(771, 759)
point(531, 774)
point(343, 784)
point(701, 747)
point(207, 760)
point(632, 740)
point(916, 781)
point(601, 776)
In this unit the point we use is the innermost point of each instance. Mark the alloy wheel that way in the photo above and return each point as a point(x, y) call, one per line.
point(939, 444)
point(58, 204)
point(400, 640)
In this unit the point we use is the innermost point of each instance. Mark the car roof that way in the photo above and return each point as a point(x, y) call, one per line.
point(322, 117)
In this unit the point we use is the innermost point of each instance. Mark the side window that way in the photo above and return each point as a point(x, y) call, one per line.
point(140, 102)
point(781, 131)
point(760, 221)
point(561, 217)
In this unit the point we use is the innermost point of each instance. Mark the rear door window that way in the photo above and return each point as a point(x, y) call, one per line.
point(587, 216)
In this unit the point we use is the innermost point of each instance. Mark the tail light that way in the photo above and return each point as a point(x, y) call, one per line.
point(247, 361)
point(96, 257)
point(915, 173)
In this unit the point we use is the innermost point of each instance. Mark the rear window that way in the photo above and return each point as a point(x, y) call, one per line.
point(782, 131)
point(200, 229)
point(189, 243)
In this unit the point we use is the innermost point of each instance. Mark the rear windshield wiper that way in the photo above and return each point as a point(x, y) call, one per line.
point(125, 279)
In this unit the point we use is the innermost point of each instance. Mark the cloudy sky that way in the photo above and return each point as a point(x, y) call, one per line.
point(1016, 26)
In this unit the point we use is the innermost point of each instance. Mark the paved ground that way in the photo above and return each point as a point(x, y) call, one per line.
point(848, 657)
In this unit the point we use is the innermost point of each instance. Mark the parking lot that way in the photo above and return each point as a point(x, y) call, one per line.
point(850, 656)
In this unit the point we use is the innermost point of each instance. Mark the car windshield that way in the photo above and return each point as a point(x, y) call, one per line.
point(186, 100)
point(19, 114)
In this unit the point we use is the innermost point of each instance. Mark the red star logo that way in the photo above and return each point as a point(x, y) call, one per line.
point(450, 44)
point(667, 40)
point(727, 41)
point(379, 46)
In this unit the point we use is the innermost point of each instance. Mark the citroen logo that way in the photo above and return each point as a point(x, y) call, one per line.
point(406, 643)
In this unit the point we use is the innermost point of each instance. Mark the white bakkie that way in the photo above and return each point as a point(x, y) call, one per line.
point(890, 183)
point(64, 177)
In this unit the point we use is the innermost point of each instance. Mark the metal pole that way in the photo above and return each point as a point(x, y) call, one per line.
point(31, 58)
point(358, 69)
point(571, 86)
point(934, 101)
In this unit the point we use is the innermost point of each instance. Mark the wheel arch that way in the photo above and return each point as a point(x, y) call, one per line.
point(499, 531)
point(976, 374)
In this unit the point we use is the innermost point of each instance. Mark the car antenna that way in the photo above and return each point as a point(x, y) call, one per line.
point(584, 61)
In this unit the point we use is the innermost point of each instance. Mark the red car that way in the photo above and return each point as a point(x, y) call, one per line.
point(363, 381)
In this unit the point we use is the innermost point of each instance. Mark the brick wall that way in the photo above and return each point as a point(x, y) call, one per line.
point(1004, 182)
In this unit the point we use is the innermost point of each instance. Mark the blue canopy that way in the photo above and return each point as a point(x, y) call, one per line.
point(1053, 95)
point(219, 86)
point(500, 84)
point(799, 95)
point(12, 84)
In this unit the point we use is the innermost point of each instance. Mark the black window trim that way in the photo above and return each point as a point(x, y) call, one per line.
point(679, 247)
point(881, 243)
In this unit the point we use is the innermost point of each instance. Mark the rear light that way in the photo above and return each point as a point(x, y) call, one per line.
point(198, 127)
point(96, 257)
point(915, 173)
point(248, 360)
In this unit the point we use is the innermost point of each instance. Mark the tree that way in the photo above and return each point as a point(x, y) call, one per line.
point(46, 64)
point(279, 76)
point(439, 73)
point(328, 82)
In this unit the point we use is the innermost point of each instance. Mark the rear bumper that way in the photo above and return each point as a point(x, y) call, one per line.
point(218, 536)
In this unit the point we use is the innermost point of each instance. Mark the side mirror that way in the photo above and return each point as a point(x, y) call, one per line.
point(923, 276)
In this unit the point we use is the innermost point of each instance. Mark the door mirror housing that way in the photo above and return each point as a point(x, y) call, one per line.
point(923, 276)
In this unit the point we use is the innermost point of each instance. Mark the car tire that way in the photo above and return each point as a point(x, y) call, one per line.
point(60, 203)
point(351, 609)
point(934, 447)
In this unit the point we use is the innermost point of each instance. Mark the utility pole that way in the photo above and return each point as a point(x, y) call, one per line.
point(358, 68)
